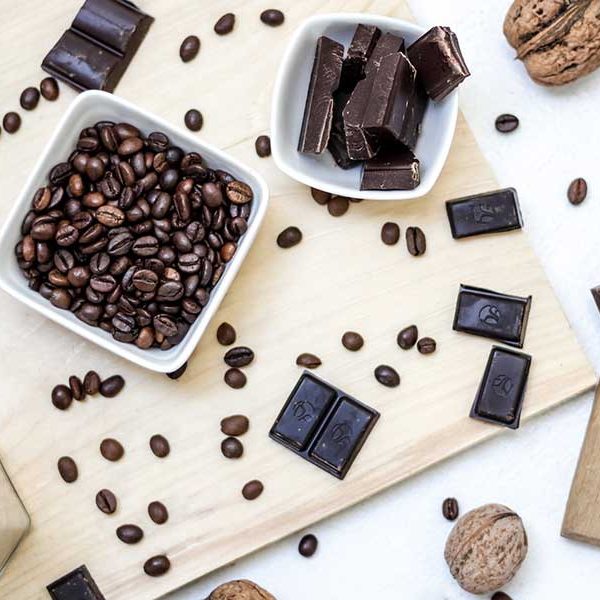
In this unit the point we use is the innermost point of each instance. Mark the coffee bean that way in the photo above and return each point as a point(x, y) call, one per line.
point(390, 234)
point(91, 383)
point(225, 24)
point(308, 360)
point(29, 98)
point(407, 337)
point(387, 376)
point(235, 378)
point(450, 509)
point(426, 345)
point(77, 388)
point(111, 386)
point(49, 88)
point(252, 490)
point(240, 356)
point(506, 123)
point(193, 119)
point(577, 191)
point(235, 425)
point(338, 206)
point(157, 565)
point(111, 449)
point(232, 448)
point(320, 197)
point(500, 596)
point(272, 17)
point(67, 469)
point(239, 192)
point(352, 341)
point(189, 48)
point(263, 146)
point(130, 534)
point(11, 122)
point(110, 216)
point(226, 334)
point(158, 512)
point(415, 241)
point(160, 445)
point(308, 545)
point(289, 237)
point(62, 397)
point(106, 501)
point(178, 372)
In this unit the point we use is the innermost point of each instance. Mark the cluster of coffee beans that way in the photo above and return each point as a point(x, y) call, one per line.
point(416, 243)
point(235, 358)
point(131, 234)
point(63, 395)
point(336, 205)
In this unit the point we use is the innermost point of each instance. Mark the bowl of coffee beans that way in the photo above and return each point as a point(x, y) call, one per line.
point(129, 231)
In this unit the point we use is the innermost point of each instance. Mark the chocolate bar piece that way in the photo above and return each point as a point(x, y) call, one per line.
point(323, 425)
point(596, 295)
point(491, 212)
point(324, 81)
point(76, 585)
point(98, 47)
point(394, 168)
point(499, 399)
point(439, 62)
point(337, 145)
point(492, 314)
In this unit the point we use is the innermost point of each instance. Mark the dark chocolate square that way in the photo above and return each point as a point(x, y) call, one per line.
point(76, 585)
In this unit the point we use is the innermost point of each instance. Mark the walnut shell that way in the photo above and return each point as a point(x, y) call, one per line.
point(486, 548)
point(240, 589)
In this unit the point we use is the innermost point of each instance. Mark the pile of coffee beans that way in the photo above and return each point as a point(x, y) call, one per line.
point(409, 336)
point(235, 358)
point(63, 396)
point(336, 205)
point(131, 234)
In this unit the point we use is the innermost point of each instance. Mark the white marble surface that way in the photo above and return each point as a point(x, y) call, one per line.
point(391, 546)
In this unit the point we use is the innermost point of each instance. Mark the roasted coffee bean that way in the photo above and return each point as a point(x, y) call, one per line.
point(289, 237)
point(77, 388)
point(189, 48)
point(193, 119)
point(78, 276)
point(91, 383)
point(112, 386)
point(126, 130)
point(110, 216)
point(164, 325)
point(178, 372)
point(320, 197)
point(130, 534)
point(106, 501)
point(11, 122)
point(577, 191)
point(157, 565)
point(111, 449)
point(415, 241)
point(226, 334)
point(308, 360)
point(88, 144)
point(500, 596)
point(110, 187)
point(100, 263)
point(240, 356)
point(29, 98)
point(120, 244)
point(450, 509)
point(62, 397)
point(506, 123)
point(160, 446)
point(407, 337)
point(227, 251)
point(235, 425)
point(49, 88)
point(263, 146)
point(239, 192)
point(225, 24)
point(308, 545)
point(158, 512)
point(338, 206)
point(145, 280)
point(145, 246)
point(390, 234)
point(125, 174)
point(272, 17)
point(252, 490)
point(352, 341)
point(232, 448)
point(60, 173)
point(67, 236)
point(426, 345)
point(235, 378)
point(161, 205)
point(212, 194)
point(67, 469)
point(61, 299)
point(41, 199)
point(387, 376)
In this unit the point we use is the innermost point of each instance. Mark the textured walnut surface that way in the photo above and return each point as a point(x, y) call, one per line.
point(241, 589)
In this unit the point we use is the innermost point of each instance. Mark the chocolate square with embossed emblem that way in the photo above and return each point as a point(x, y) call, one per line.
point(491, 314)
point(500, 396)
point(76, 585)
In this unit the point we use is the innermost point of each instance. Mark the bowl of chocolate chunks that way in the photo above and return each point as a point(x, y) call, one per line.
point(365, 106)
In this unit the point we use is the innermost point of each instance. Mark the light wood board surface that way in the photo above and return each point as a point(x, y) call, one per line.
point(284, 302)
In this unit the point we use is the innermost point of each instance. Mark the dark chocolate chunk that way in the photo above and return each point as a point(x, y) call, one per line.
point(439, 62)
point(395, 168)
point(491, 314)
point(500, 396)
point(76, 585)
point(596, 295)
point(337, 145)
point(491, 212)
point(324, 81)
point(363, 43)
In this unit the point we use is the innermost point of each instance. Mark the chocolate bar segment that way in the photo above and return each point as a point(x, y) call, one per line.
point(394, 168)
point(491, 314)
point(439, 62)
point(76, 585)
point(500, 396)
point(491, 212)
point(324, 81)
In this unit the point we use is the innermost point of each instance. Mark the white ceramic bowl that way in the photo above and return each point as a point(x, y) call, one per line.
point(87, 109)
point(289, 98)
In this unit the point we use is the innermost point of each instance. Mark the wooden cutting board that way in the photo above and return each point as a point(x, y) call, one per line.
point(283, 303)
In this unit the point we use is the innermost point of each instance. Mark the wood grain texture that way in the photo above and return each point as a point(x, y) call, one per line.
point(282, 303)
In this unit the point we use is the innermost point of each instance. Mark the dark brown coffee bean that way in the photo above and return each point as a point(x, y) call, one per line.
point(450, 509)
point(407, 337)
point(289, 237)
point(62, 397)
point(232, 448)
point(160, 445)
point(239, 192)
point(110, 387)
point(91, 383)
point(500, 596)
point(577, 191)
point(60, 173)
point(178, 372)
point(157, 565)
point(130, 534)
point(235, 425)
point(263, 146)
point(352, 341)
point(272, 17)
point(193, 119)
point(225, 24)
point(227, 251)
point(110, 216)
point(106, 501)
point(387, 376)
point(308, 545)
point(240, 356)
point(158, 512)
point(189, 48)
point(66, 236)
point(338, 206)
point(49, 88)
point(11, 122)
point(415, 241)
point(29, 98)
point(320, 197)
point(67, 469)
point(252, 490)
point(235, 378)
point(226, 334)
point(111, 449)
point(77, 388)
point(426, 345)
point(506, 123)
point(308, 360)
point(390, 234)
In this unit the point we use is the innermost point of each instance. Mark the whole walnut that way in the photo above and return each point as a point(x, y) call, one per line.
point(240, 589)
point(558, 40)
point(486, 548)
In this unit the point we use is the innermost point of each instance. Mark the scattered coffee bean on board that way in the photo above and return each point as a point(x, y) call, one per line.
point(62, 397)
point(226, 334)
point(501, 596)
point(235, 378)
point(308, 545)
point(112, 386)
point(111, 449)
point(11, 122)
point(577, 191)
point(308, 360)
point(235, 425)
point(225, 24)
point(352, 341)
point(193, 119)
point(415, 241)
point(106, 501)
point(263, 146)
point(29, 98)
point(272, 17)
point(338, 206)
point(77, 388)
point(320, 197)
point(387, 376)
point(189, 48)
point(390, 233)
point(408, 337)
point(67, 469)
point(157, 565)
point(426, 345)
point(506, 123)
point(91, 383)
point(158, 512)
point(289, 237)
point(178, 372)
point(232, 448)
point(252, 490)
point(450, 509)
point(49, 88)
point(159, 445)
point(129, 533)
point(240, 356)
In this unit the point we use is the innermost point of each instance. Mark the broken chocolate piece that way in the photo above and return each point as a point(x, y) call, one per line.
point(337, 146)
point(360, 50)
point(76, 585)
point(394, 168)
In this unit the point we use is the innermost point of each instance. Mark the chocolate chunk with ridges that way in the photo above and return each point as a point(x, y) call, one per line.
point(394, 168)
point(338, 146)
point(363, 43)
point(76, 585)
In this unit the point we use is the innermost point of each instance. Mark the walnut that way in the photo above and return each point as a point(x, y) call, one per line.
point(241, 589)
point(558, 40)
point(486, 548)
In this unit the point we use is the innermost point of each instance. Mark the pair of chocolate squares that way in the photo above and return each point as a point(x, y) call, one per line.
point(369, 106)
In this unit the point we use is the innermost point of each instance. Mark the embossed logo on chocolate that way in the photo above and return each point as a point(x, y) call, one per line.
point(483, 213)
point(503, 385)
point(341, 433)
point(490, 314)
point(304, 411)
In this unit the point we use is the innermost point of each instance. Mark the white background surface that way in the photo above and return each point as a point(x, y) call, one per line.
point(391, 547)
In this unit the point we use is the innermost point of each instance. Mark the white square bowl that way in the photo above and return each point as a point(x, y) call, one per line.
point(289, 98)
point(87, 109)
